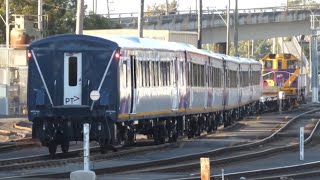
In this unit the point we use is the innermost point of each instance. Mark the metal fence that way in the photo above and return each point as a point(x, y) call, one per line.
point(13, 81)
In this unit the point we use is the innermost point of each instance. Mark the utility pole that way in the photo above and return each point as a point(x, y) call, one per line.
point(236, 29)
point(167, 4)
point(79, 24)
point(7, 25)
point(40, 26)
point(228, 29)
point(314, 58)
point(108, 8)
point(140, 19)
point(199, 23)
point(252, 49)
point(93, 11)
point(96, 8)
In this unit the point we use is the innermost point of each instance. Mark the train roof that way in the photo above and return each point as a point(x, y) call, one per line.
point(148, 43)
point(142, 43)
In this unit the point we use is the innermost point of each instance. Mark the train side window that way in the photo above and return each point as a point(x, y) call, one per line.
point(190, 74)
point(124, 74)
point(163, 73)
point(215, 77)
point(147, 66)
point(292, 64)
point(219, 77)
point(279, 64)
point(198, 74)
point(73, 71)
point(203, 79)
point(268, 64)
point(169, 66)
point(209, 77)
point(182, 75)
point(194, 75)
point(143, 78)
point(155, 74)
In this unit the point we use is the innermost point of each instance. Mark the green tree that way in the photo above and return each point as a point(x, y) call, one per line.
point(297, 3)
point(61, 16)
point(95, 21)
point(162, 9)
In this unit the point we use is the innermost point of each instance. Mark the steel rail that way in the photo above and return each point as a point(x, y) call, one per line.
point(164, 162)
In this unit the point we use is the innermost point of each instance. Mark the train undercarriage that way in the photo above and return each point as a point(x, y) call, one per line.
point(54, 132)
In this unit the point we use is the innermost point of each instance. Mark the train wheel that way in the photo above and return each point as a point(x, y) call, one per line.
point(102, 146)
point(65, 147)
point(159, 133)
point(172, 130)
point(52, 148)
point(130, 139)
point(210, 123)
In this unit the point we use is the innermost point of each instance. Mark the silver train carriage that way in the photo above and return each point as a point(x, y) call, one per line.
point(157, 88)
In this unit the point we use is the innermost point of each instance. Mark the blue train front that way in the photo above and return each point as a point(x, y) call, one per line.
point(63, 71)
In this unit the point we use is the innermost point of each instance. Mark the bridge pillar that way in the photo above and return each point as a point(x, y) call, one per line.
point(220, 47)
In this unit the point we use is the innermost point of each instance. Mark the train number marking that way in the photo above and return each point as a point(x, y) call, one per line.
point(71, 100)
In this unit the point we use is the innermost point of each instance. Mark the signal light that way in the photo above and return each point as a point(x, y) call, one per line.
point(29, 55)
point(117, 55)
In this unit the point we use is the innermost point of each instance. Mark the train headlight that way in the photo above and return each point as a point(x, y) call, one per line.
point(262, 99)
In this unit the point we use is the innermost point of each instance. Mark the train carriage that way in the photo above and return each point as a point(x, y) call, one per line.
point(160, 89)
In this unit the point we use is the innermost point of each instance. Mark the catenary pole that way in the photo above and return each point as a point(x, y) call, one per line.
point(314, 60)
point(228, 29)
point(199, 23)
point(79, 24)
point(140, 19)
point(40, 17)
point(7, 24)
point(236, 53)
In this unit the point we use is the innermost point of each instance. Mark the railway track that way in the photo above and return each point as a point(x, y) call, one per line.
point(16, 144)
point(220, 156)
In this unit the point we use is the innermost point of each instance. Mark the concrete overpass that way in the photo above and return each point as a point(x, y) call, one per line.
point(262, 23)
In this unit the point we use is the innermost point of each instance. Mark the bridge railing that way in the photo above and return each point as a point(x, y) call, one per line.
point(211, 10)
point(315, 22)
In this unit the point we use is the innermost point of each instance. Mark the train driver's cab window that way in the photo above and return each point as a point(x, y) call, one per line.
point(269, 75)
point(280, 64)
point(292, 64)
point(268, 64)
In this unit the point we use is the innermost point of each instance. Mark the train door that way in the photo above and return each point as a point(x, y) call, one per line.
point(133, 67)
point(251, 82)
point(206, 81)
point(175, 90)
point(72, 79)
point(240, 80)
point(190, 75)
point(225, 84)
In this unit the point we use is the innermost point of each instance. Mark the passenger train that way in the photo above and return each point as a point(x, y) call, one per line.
point(146, 86)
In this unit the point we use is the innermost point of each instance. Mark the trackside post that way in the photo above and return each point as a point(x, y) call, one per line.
point(84, 174)
point(301, 143)
point(222, 174)
point(281, 97)
point(86, 149)
point(205, 168)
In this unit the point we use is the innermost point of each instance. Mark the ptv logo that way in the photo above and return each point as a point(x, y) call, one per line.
point(71, 100)
point(279, 76)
